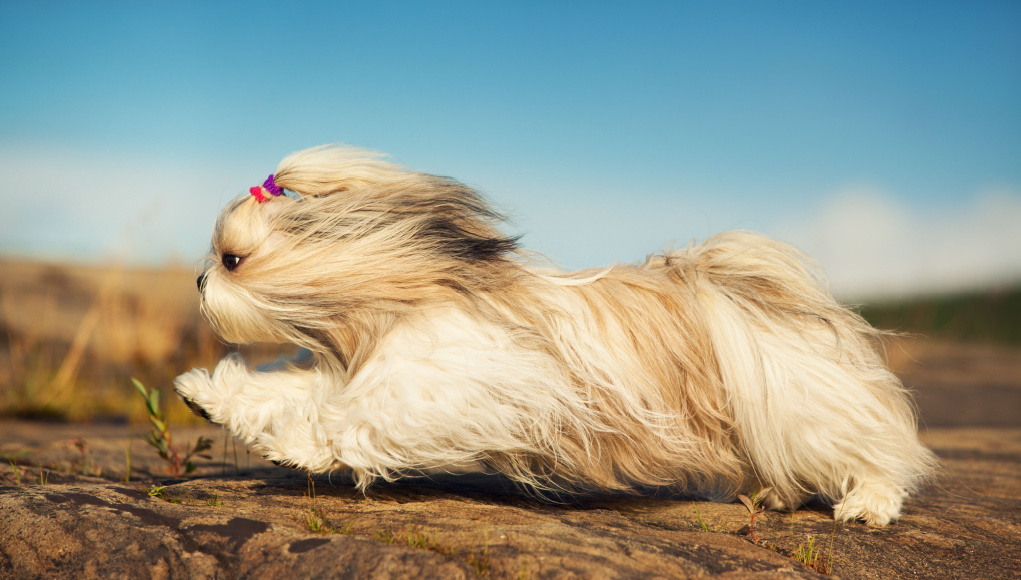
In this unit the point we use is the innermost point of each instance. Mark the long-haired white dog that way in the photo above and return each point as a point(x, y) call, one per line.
point(717, 369)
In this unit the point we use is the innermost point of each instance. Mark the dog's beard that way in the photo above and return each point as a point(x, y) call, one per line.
point(236, 315)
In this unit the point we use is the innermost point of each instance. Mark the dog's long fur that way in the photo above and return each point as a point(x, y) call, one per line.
point(714, 369)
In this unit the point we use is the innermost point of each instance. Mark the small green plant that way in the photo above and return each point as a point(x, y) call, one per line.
point(701, 523)
point(44, 478)
point(17, 474)
point(214, 501)
point(79, 444)
point(808, 554)
point(155, 490)
point(316, 522)
point(127, 456)
point(159, 491)
point(706, 527)
point(159, 437)
point(415, 537)
point(755, 507)
point(833, 536)
point(481, 560)
point(315, 517)
point(223, 463)
point(523, 572)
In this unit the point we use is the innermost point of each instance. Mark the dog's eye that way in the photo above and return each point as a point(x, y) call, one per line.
point(230, 261)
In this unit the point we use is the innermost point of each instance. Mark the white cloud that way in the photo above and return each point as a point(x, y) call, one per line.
point(872, 245)
point(89, 204)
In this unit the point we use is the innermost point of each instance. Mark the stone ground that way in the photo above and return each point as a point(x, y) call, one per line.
point(66, 511)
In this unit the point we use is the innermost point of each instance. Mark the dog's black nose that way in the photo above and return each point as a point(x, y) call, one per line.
point(200, 280)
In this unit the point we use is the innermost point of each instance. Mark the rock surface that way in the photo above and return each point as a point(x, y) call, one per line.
point(58, 522)
point(67, 511)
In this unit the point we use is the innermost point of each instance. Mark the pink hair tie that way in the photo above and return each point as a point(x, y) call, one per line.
point(256, 192)
point(268, 186)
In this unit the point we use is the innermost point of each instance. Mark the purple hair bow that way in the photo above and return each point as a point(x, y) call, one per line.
point(269, 186)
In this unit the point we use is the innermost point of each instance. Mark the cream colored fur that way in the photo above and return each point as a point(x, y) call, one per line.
point(716, 369)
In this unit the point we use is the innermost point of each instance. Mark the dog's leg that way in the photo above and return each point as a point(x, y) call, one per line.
point(273, 412)
point(816, 408)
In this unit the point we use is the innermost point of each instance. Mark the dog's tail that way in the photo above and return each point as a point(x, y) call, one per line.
point(816, 408)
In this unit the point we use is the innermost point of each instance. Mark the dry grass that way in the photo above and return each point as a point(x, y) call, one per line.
point(71, 337)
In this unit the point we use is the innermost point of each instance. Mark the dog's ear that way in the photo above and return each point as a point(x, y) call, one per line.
point(460, 223)
point(329, 169)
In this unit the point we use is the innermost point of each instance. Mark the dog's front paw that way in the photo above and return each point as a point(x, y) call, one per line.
point(194, 387)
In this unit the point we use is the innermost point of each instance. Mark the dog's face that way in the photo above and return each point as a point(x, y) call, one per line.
point(235, 296)
point(304, 270)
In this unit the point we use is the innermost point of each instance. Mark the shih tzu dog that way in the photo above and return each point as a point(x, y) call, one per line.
point(435, 344)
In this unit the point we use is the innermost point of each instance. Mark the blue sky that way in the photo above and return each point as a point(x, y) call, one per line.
point(883, 138)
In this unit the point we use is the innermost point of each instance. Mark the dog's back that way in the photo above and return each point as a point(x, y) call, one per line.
point(768, 379)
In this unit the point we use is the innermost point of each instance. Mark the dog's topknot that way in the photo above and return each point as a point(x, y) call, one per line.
point(333, 168)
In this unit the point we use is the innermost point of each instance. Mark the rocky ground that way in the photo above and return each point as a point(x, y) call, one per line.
point(70, 510)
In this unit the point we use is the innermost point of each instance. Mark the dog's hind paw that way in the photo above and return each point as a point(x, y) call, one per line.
point(774, 502)
point(876, 505)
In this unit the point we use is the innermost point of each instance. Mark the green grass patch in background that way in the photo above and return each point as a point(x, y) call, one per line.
point(991, 316)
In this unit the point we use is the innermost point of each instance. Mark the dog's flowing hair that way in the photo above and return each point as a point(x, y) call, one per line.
point(436, 344)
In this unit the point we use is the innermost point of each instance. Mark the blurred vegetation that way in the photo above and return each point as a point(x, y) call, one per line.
point(990, 317)
point(72, 337)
